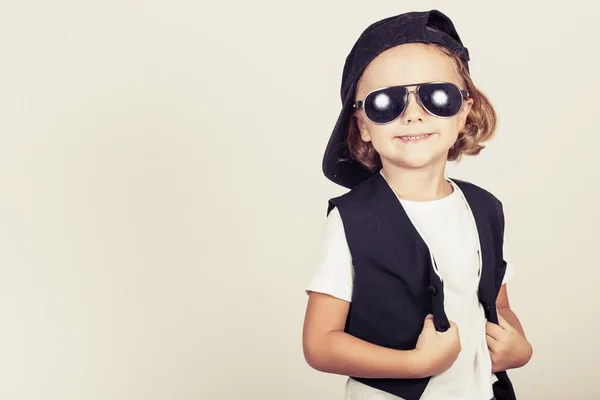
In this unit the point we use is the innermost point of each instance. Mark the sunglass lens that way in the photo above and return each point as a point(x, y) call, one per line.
point(385, 105)
point(441, 99)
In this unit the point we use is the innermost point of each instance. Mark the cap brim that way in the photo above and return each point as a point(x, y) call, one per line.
point(345, 173)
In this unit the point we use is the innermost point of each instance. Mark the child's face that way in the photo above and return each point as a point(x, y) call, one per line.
point(404, 65)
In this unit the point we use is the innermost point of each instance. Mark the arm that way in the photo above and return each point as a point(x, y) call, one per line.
point(327, 348)
point(508, 345)
point(503, 306)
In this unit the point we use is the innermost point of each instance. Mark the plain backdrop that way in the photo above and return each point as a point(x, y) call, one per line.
point(162, 200)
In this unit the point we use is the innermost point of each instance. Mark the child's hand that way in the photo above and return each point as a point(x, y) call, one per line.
point(508, 349)
point(437, 351)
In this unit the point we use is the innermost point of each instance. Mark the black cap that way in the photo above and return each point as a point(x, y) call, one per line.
point(413, 27)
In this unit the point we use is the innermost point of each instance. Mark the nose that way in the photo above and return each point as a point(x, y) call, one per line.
point(414, 112)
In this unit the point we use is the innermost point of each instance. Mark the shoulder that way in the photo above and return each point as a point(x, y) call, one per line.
point(470, 188)
point(360, 195)
point(482, 201)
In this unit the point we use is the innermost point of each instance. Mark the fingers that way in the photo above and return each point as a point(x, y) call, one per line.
point(453, 330)
point(491, 343)
point(428, 324)
point(494, 330)
point(503, 322)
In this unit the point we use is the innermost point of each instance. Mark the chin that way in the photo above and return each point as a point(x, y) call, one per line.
point(420, 161)
point(417, 164)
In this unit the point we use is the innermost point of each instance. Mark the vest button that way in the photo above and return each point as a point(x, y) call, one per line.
point(432, 290)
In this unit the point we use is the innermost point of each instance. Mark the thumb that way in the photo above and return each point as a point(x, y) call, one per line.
point(428, 321)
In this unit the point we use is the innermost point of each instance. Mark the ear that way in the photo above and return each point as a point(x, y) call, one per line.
point(362, 127)
point(464, 113)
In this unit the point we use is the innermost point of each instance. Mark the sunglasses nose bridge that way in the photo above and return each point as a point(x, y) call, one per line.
point(408, 111)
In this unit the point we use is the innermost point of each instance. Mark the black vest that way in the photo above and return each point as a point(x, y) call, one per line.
point(395, 285)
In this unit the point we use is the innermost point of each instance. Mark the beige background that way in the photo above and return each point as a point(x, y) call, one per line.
point(161, 197)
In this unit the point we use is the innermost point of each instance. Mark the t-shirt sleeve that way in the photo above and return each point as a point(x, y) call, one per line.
point(333, 271)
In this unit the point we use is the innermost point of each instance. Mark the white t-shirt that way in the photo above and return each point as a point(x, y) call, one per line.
point(448, 228)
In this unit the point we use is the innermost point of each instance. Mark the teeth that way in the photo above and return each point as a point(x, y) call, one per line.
point(413, 137)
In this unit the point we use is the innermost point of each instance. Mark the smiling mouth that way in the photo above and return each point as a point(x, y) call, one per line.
point(415, 137)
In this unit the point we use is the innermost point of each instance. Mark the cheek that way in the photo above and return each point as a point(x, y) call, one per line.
point(451, 128)
point(379, 133)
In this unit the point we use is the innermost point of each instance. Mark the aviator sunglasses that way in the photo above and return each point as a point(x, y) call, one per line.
point(440, 99)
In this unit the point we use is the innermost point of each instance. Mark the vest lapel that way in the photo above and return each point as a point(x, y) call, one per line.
point(484, 230)
point(400, 218)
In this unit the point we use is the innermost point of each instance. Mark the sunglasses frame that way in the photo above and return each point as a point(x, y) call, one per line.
point(465, 95)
